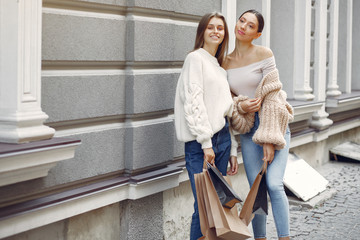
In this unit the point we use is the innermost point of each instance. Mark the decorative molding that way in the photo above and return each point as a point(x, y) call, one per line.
point(108, 65)
point(101, 10)
point(22, 162)
point(80, 13)
point(302, 139)
point(344, 126)
point(85, 6)
point(343, 102)
point(303, 109)
point(16, 219)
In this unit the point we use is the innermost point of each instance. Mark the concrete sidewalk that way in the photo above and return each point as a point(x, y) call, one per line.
point(334, 214)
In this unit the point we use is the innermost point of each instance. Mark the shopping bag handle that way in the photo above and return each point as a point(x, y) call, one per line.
point(264, 168)
point(206, 165)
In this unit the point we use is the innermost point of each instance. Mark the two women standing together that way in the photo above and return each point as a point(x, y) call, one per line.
point(219, 95)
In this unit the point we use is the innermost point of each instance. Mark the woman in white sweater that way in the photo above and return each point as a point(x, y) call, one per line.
point(261, 115)
point(203, 103)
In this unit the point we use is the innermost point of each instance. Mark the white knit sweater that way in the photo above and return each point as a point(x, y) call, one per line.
point(202, 100)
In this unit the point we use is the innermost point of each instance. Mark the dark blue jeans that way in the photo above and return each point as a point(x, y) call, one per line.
point(194, 157)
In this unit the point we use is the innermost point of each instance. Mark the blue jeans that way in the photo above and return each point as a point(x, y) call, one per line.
point(252, 157)
point(194, 157)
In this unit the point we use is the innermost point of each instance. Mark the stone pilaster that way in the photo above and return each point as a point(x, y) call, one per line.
point(319, 119)
point(332, 86)
point(21, 117)
point(302, 39)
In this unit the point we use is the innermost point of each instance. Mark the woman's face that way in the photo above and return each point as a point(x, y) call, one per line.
point(247, 27)
point(215, 32)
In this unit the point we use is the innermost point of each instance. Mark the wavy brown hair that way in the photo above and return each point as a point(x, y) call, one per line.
point(199, 41)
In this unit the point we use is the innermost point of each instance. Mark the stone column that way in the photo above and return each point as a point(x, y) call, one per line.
point(21, 117)
point(302, 45)
point(319, 118)
point(345, 45)
point(332, 86)
point(292, 47)
point(228, 9)
point(356, 45)
point(266, 12)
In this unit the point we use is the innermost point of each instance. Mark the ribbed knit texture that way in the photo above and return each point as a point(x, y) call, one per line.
point(241, 121)
point(274, 115)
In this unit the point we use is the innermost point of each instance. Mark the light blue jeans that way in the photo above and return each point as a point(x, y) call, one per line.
point(252, 157)
point(194, 157)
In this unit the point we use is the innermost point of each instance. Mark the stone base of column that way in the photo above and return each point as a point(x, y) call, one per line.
point(320, 121)
point(24, 127)
point(333, 93)
point(304, 95)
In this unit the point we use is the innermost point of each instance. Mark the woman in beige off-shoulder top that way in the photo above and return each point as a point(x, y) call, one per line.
point(261, 115)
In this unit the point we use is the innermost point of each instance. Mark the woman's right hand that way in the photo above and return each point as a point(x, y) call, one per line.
point(209, 155)
point(251, 105)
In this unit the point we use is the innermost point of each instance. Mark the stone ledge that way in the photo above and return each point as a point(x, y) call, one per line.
point(344, 102)
point(59, 206)
point(22, 162)
point(303, 110)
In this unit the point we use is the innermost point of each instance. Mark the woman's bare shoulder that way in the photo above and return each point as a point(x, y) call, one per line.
point(263, 52)
point(227, 60)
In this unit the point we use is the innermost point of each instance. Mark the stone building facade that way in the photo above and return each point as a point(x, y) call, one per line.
point(87, 142)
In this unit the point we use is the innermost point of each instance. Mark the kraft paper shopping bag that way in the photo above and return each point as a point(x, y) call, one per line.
point(206, 219)
point(226, 194)
point(227, 223)
point(247, 211)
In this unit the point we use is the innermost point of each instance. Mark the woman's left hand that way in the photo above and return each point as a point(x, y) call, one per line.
point(269, 152)
point(233, 166)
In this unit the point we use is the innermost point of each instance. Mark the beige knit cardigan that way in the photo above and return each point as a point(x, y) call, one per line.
point(274, 115)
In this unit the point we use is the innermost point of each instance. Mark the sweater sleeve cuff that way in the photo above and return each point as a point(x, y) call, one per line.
point(234, 143)
point(233, 151)
point(241, 111)
point(206, 144)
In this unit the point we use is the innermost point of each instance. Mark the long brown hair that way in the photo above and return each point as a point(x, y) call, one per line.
point(199, 41)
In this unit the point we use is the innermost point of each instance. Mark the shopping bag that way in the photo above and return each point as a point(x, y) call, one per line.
point(261, 202)
point(246, 213)
point(227, 223)
point(226, 194)
point(206, 220)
